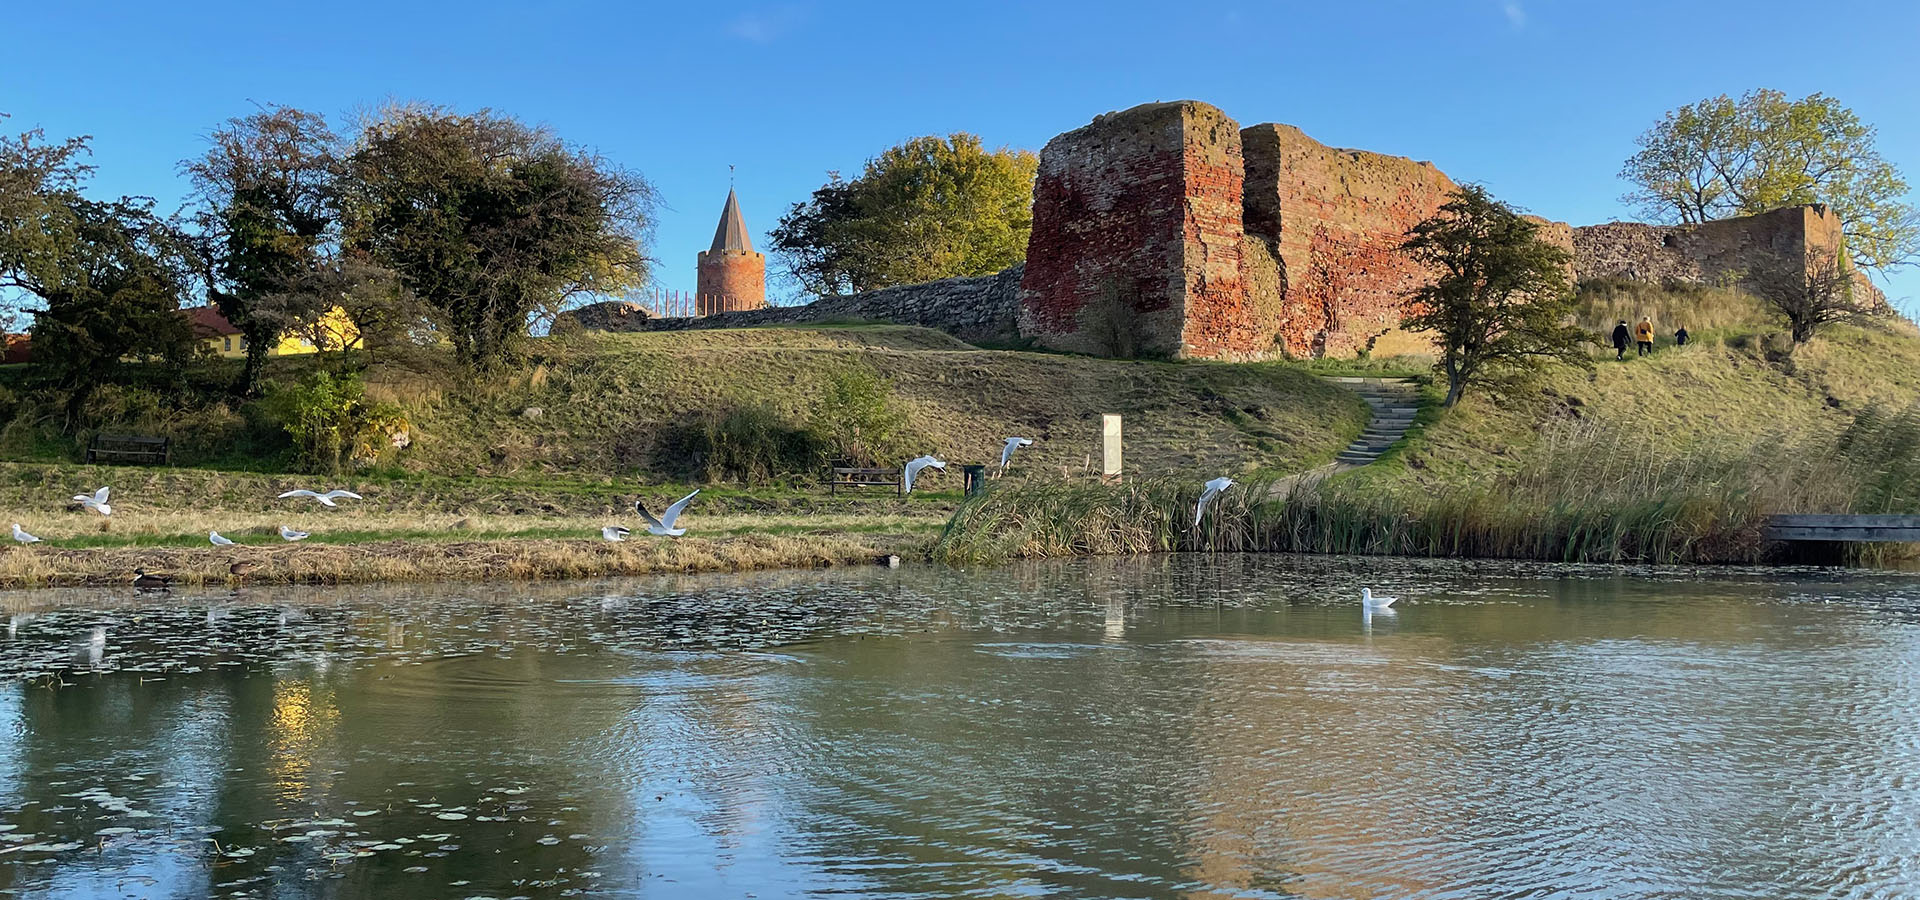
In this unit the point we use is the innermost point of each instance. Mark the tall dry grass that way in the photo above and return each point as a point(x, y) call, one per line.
point(1591, 493)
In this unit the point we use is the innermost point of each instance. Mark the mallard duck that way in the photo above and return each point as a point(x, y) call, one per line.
point(151, 581)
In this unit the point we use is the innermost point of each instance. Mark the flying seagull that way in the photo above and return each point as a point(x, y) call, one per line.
point(1375, 604)
point(664, 525)
point(218, 539)
point(1006, 452)
point(914, 467)
point(22, 536)
point(325, 499)
point(96, 501)
point(1213, 490)
point(292, 535)
point(614, 533)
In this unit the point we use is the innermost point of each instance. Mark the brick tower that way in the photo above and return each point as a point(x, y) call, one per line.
point(732, 276)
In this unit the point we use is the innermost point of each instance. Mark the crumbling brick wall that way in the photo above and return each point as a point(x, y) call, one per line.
point(1136, 246)
point(1724, 251)
point(1336, 219)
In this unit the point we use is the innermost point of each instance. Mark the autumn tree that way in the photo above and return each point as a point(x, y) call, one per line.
point(109, 275)
point(1808, 293)
point(269, 217)
point(927, 209)
point(1500, 298)
point(490, 223)
point(1725, 157)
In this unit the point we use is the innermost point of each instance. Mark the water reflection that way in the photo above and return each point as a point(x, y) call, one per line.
point(1174, 727)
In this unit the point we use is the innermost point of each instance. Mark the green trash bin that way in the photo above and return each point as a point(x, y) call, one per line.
point(974, 478)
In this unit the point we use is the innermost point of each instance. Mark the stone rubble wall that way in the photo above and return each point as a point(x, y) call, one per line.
point(981, 309)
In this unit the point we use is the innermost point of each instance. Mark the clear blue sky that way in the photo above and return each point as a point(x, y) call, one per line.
point(1539, 100)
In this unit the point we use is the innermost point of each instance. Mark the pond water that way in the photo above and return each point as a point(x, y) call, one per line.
point(1161, 727)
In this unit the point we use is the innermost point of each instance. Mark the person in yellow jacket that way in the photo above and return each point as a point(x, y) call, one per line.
point(1643, 335)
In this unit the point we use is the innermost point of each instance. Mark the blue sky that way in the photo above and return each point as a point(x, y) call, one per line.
point(1538, 100)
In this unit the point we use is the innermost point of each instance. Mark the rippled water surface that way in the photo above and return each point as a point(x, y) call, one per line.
point(1173, 727)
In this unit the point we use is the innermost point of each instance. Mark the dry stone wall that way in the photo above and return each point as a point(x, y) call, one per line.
point(981, 309)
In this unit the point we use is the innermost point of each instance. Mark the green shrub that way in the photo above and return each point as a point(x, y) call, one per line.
point(858, 420)
point(332, 422)
point(754, 445)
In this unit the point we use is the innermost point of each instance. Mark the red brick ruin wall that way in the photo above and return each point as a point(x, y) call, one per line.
point(1165, 229)
point(1136, 236)
point(1336, 219)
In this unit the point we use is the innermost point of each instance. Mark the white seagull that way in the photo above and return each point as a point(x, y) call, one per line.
point(614, 533)
point(96, 501)
point(1013, 443)
point(325, 499)
point(292, 535)
point(1375, 604)
point(1213, 490)
point(914, 466)
point(22, 536)
point(218, 539)
point(663, 526)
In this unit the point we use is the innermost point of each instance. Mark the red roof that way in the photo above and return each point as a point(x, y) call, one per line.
point(208, 322)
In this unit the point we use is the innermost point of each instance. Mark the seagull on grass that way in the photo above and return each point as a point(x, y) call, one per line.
point(614, 533)
point(915, 465)
point(96, 501)
point(1006, 452)
point(293, 535)
point(1213, 490)
point(325, 499)
point(219, 540)
point(1373, 603)
point(663, 526)
point(22, 536)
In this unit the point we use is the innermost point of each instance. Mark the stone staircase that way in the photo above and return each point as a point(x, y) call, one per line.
point(1393, 401)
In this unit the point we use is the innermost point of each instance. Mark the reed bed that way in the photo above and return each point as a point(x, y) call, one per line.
point(1590, 493)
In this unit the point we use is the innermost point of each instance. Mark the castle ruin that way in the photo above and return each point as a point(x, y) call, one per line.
point(1169, 230)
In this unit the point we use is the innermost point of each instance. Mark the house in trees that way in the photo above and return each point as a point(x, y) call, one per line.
point(331, 331)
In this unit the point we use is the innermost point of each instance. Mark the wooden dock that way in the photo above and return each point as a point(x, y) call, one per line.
point(1852, 529)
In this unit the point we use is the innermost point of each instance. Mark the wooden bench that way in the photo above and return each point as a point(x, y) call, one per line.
point(850, 476)
point(131, 448)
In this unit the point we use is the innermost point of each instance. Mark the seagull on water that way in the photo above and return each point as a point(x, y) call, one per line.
point(96, 501)
point(1006, 452)
point(1213, 490)
point(219, 540)
point(614, 533)
point(913, 469)
point(325, 499)
point(293, 535)
point(663, 526)
point(22, 536)
point(1375, 604)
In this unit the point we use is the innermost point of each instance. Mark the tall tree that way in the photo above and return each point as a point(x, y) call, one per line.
point(269, 215)
point(1724, 157)
point(927, 209)
point(491, 223)
point(1500, 297)
point(110, 275)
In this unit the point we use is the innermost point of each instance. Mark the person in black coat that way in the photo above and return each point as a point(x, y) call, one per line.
point(1621, 338)
point(1680, 337)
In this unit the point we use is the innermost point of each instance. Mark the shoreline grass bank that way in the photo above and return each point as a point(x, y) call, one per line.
point(472, 560)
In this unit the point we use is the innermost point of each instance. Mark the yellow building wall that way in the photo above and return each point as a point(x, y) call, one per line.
point(334, 330)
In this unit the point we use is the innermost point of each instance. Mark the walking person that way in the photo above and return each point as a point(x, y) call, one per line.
point(1620, 339)
point(1643, 335)
point(1680, 337)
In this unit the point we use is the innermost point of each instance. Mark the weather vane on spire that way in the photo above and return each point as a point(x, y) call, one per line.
point(729, 176)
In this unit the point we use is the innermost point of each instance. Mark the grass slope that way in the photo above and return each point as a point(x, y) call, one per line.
point(609, 403)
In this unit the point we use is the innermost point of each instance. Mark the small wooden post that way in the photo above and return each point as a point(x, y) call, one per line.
point(1110, 448)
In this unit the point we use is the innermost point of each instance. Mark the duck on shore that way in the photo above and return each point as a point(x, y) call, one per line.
point(151, 581)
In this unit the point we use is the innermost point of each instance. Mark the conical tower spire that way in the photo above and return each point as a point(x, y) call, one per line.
point(731, 236)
